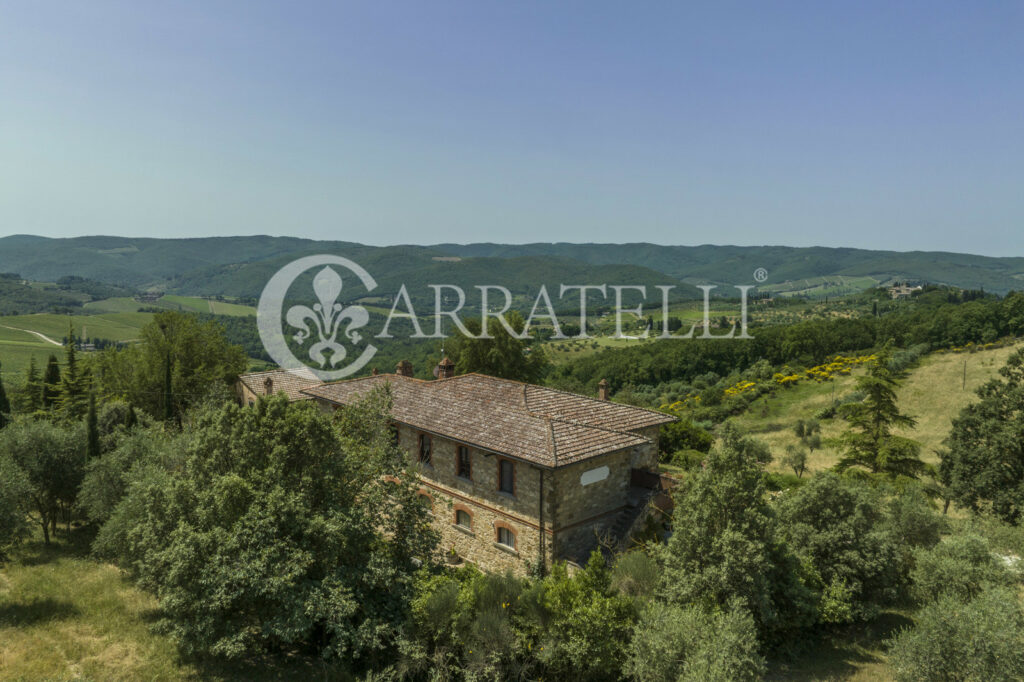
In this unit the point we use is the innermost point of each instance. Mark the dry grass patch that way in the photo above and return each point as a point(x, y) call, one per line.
point(932, 393)
point(935, 392)
point(66, 616)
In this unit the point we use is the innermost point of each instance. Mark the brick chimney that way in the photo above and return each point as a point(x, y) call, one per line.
point(404, 368)
point(602, 390)
point(445, 368)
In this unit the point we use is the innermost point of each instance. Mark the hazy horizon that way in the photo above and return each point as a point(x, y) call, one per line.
point(503, 243)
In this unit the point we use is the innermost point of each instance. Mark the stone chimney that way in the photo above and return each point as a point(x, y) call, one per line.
point(374, 372)
point(602, 390)
point(268, 386)
point(445, 368)
point(404, 368)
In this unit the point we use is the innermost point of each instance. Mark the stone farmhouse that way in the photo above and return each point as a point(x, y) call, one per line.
point(513, 473)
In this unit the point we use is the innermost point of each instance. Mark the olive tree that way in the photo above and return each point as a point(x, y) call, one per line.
point(279, 529)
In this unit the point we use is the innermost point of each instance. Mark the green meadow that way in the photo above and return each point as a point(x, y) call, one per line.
point(171, 302)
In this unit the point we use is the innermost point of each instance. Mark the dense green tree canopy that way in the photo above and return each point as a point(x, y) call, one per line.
point(980, 640)
point(839, 529)
point(14, 500)
point(194, 355)
point(723, 549)
point(501, 355)
point(984, 464)
point(52, 458)
point(276, 530)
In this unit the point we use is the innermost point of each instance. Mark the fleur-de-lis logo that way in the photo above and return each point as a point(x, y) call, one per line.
point(327, 316)
point(320, 323)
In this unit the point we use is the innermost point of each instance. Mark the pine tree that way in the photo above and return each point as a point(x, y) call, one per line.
point(50, 390)
point(5, 404)
point(92, 429)
point(869, 442)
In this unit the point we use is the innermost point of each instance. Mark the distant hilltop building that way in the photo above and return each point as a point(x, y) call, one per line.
point(514, 473)
point(149, 297)
point(902, 290)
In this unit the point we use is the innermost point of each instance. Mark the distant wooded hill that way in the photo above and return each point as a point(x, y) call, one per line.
point(240, 266)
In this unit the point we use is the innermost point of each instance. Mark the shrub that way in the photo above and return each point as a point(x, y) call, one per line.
point(777, 481)
point(914, 521)
point(960, 567)
point(684, 435)
point(687, 459)
point(981, 640)
point(673, 643)
point(106, 478)
point(636, 574)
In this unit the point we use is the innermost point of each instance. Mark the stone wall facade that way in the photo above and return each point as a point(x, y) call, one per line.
point(555, 513)
point(489, 508)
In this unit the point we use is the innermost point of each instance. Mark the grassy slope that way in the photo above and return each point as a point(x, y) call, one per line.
point(114, 326)
point(17, 348)
point(932, 393)
point(66, 616)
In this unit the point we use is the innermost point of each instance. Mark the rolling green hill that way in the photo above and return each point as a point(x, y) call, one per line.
point(239, 266)
point(736, 264)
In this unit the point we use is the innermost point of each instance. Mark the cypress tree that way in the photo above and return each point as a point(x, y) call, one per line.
point(33, 394)
point(92, 429)
point(168, 393)
point(50, 389)
point(72, 399)
point(5, 404)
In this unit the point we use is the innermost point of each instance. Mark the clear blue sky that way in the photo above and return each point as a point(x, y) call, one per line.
point(872, 124)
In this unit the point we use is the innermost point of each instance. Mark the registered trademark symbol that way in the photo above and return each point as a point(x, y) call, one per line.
point(760, 274)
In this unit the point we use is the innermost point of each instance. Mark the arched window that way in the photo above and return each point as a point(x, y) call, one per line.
point(427, 500)
point(507, 537)
point(463, 519)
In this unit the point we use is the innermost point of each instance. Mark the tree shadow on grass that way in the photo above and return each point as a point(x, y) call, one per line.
point(37, 553)
point(23, 614)
point(838, 654)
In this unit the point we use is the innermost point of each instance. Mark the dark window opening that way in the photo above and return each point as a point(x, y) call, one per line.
point(463, 519)
point(425, 448)
point(463, 467)
point(506, 476)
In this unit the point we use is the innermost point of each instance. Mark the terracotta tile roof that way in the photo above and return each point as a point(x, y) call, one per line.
point(287, 381)
point(536, 424)
point(591, 411)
